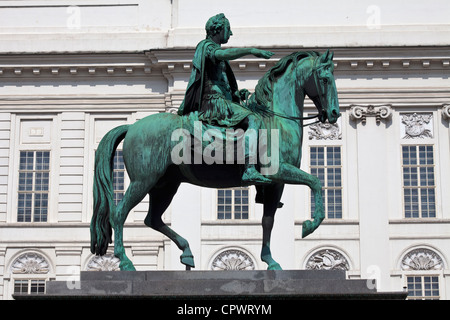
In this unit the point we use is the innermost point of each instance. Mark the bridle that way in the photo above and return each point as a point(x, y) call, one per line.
point(320, 96)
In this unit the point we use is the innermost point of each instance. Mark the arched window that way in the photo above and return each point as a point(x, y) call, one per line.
point(30, 271)
point(422, 268)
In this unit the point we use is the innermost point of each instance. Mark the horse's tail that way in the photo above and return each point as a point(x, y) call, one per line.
point(104, 206)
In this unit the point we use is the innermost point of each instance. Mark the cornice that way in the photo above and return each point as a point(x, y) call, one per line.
point(364, 59)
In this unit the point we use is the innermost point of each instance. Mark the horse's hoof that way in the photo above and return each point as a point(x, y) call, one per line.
point(307, 228)
point(188, 261)
point(274, 266)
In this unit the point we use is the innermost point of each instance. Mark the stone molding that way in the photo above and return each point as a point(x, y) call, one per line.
point(180, 61)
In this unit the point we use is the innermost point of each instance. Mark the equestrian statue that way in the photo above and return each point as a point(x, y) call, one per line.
point(163, 150)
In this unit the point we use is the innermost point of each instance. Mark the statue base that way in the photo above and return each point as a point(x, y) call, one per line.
point(214, 285)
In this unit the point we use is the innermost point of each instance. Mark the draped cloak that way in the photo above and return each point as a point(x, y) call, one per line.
point(211, 111)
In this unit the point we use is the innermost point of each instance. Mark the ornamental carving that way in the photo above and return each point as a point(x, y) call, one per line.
point(382, 112)
point(327, 260)
point(107, 262)
point(422, 259)
point(30, 263)
point(417, 126)
point(233, 260)
point(446, 111)
point(324, 131)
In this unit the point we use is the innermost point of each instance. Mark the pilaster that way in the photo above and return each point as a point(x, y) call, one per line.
point(372, 153)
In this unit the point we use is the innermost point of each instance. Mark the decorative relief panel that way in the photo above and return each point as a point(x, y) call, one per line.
point(324, 131)
point(327, 260)
point(108, 262)
point(422, 259)
point(416, 125)
point(30, 263)
point(233, 260)
point(35, 131)
point(446, 111)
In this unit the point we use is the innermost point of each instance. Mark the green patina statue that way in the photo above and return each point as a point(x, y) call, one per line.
point(164, 150)
point(212, 89)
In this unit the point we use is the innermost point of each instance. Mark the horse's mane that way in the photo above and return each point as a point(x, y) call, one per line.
point(264, 90)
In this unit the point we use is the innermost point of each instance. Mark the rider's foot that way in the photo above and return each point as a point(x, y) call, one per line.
point(253, 176)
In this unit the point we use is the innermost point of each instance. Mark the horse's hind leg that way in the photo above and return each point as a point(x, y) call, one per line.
point(160, 199)
point(134, 194)
point(272, 197)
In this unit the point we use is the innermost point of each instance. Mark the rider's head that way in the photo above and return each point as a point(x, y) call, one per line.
point(218, 25)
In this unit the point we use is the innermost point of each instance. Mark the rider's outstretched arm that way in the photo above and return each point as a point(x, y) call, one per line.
point(236, 53)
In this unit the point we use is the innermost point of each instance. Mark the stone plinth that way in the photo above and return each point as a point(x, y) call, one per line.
point(191, 285)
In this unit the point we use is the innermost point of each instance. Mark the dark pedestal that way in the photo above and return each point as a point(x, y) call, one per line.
point(214, 285)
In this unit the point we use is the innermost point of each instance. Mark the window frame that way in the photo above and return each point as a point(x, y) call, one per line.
point(33, 192)
point(422, 277)
point(233, 204)
point(419, 187)
point(17, 145)
point(29, 285)
point(325, 187)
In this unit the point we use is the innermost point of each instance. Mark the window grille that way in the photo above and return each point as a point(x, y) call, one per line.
point(232, 203)
point(326, 164)
point(418, 181)
point(33, 189)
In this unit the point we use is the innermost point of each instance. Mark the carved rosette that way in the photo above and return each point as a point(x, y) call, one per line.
point(30, 263)
point(233, 260)
point(422, 259)
point(382, 112)
point(417, 125)
point(327, 259)
point(324, 131)
point(107, 262)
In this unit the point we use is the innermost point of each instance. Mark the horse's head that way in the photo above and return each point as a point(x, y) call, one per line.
point(320, 87)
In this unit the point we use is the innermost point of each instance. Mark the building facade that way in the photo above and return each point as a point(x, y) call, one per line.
point(72, 70)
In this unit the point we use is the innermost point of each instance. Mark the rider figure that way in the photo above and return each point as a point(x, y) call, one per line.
point(212, 89)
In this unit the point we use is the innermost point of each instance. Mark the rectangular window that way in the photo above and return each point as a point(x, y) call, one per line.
point(418, 182)
point(423, 287)
point(118, 176)
point(34, 172)
point(29, 286)
point(326, 164)
point(232, 203)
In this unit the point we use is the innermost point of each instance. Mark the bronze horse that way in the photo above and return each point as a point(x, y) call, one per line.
point(147, 146)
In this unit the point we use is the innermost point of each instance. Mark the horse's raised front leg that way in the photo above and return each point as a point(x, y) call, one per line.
point(290, 174)
point(272, 196)
point(160, 199)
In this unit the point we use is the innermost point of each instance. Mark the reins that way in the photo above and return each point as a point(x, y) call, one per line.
point(319, 91)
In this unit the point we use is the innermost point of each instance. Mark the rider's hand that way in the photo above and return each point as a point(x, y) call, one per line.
point(243, 94)
point(262, 53)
